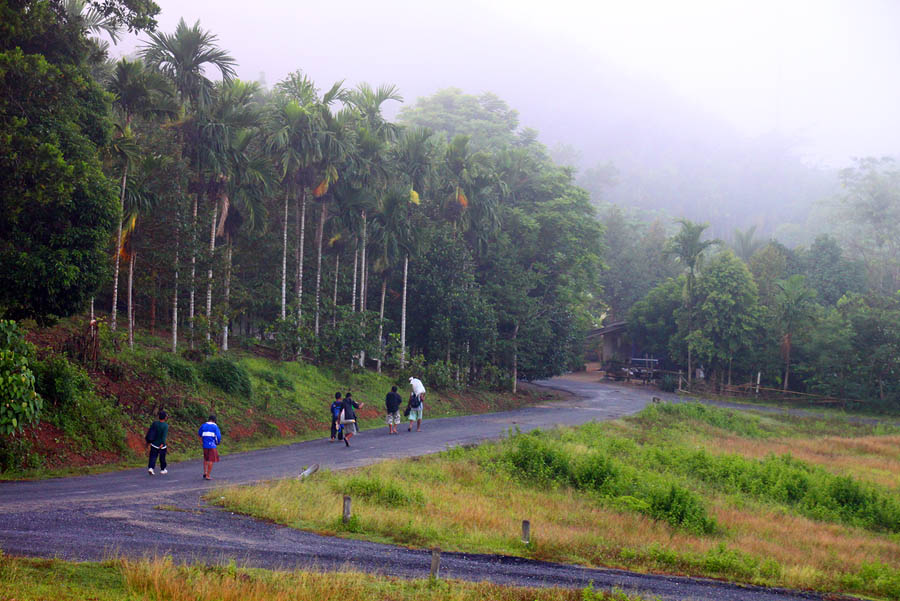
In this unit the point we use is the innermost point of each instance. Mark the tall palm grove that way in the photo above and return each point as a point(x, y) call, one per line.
point(301, 219)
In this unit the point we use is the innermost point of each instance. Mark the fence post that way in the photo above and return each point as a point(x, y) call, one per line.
point(526, 532)
point(435, 562)
point(346, 515)
point(679, 381)
point(758, 376)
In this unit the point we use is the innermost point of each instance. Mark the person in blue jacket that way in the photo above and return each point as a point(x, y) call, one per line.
point(211, 436)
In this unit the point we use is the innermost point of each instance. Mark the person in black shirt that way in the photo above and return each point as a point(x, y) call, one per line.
point(336, 407)
point(348, 419)
point(392, 403)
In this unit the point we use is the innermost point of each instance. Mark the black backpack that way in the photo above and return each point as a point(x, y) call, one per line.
point(414, 401)
point(151, 433)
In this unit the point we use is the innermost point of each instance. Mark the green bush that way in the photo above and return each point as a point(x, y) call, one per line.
point(813, 491)
point(670, 414)
point(377, 491)
point(273, 377)
point(178, 369)
point(668, 383)
point(228, 376)
point(73, 406)
point(681, 508)
point(19, 403)
point(540, 459)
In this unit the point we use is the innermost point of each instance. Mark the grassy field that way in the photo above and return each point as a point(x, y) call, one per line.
point(162, 580)
point(763, 499)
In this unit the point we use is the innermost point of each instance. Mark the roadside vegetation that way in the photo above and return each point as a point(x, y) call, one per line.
point(764, 499)
point(93, 417)
point(162, 580)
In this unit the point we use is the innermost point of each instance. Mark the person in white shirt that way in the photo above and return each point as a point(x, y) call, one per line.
point(416, 403)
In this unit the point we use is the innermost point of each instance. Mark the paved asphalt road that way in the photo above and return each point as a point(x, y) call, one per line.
point(94, 517)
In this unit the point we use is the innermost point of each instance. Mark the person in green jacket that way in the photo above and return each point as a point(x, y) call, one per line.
point(156, 438)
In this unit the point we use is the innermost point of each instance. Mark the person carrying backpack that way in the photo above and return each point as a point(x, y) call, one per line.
point(156, 440)
point(416, 403)
point(336, 407)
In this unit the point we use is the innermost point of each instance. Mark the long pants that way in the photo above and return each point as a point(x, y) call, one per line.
point(154, 453)
point(334, 427)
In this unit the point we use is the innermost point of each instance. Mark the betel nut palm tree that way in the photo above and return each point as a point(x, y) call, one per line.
point(182, 58)
point(687, 248)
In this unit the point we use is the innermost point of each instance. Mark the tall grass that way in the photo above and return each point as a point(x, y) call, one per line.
point(164, 580)
point(665, 491)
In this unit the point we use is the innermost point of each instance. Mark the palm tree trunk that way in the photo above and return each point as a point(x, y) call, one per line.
point(131, 302)
point(787, 361)
point(175, 296)
point(355, 269)
point(362, 261)
point(301, 235)
point(337, 270)
point(193, 269)
point(320, 232)
point(363, 274)
point(403, 314)
point(515, 365)
point(227, 293)
point(284, 230)
point(381, 320)
point(154, 278)
point(209, 273)
point(115, 298)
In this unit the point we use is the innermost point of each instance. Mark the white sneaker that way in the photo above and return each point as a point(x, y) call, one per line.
point(163, 471)
point(150, 471)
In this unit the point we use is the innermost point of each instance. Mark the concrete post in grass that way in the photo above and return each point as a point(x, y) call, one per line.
point(435, 562)
point(346, 515)
point(526, 532)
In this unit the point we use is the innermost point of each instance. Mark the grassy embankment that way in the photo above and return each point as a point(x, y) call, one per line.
point(689, 489)
point(94, 419)
point(161, 580)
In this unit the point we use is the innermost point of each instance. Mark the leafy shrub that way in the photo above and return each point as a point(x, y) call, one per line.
point(494, 378)
point(191, 411)
point(724, 419)
point(377, 491)
point(73, 406)
point(273, 377)
point(538, 458)
point(19, 403)
point(668, 383)
point(192, 355)
point(814, 491)
point(177, 369)
point(228, 376)
point(440, 374)
point(681, 508)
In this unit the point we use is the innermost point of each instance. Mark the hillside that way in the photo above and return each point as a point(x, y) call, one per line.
point(95, 413)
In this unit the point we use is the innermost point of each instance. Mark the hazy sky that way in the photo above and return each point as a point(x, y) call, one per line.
point(824, 73)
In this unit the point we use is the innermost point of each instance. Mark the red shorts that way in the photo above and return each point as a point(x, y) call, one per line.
point(211, 455)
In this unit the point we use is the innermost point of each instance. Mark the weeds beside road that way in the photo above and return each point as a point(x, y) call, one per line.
point(758, 498)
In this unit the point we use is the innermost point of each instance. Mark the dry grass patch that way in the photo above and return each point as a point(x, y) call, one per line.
point(163, 580)
point(474, 500)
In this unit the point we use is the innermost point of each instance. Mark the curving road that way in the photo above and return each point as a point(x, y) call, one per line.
point(94, 517)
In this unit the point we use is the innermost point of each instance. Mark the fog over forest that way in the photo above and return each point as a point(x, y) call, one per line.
point(734, 113)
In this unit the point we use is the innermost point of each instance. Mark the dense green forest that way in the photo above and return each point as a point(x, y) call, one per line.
point(159, 190)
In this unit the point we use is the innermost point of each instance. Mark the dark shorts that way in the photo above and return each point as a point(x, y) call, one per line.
point(211, 455)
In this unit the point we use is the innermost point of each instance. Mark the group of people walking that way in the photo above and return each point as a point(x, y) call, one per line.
point(343, 426)
point(343, 414)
